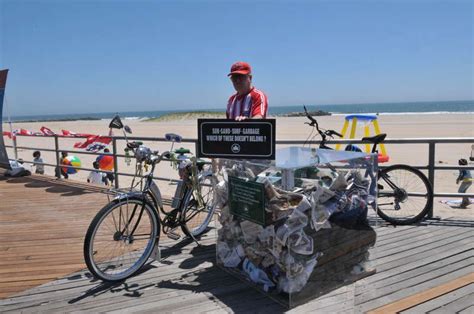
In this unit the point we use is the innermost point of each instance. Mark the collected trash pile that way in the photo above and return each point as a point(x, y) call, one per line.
point(311, 242)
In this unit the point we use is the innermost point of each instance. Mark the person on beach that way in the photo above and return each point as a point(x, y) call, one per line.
point(465, 178)
point(96, 176)
point(248, 102)
point(38, 162)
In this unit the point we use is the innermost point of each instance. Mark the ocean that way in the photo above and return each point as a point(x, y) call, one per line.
point(459, 107)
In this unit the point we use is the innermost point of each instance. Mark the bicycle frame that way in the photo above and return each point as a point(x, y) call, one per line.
point(150, 190)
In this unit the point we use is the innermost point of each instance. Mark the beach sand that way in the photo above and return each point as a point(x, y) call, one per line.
point(288, 128)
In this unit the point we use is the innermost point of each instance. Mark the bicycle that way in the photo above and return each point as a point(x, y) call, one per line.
point(125, 233)
point(404, 193)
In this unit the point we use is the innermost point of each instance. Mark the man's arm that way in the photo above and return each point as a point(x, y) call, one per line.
point(259, 105)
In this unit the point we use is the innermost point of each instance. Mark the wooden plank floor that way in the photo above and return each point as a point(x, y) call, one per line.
point(44, 243)
point(42, 227)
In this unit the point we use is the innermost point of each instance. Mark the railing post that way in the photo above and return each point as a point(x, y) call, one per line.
point(114, 149)
point(431, 172)
point(57, 171)
point(15, 150)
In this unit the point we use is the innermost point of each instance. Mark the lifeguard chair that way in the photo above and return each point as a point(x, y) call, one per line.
point(367, 120)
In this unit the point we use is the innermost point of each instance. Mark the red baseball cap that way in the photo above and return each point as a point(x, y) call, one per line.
point(240, 68)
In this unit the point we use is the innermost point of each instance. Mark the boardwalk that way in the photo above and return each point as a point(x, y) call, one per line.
point(419, 268)
point(42, 228)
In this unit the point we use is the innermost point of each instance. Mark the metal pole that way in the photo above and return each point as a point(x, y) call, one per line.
point(56, 148)
point(114, 149)
point(15, 149)
point(431, 172)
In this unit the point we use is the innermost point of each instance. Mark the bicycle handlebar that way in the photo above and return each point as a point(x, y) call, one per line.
point(332, 132)
point(313, 122)
point(324, 133)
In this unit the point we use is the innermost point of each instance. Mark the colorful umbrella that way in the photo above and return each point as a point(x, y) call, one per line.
point(71, 161)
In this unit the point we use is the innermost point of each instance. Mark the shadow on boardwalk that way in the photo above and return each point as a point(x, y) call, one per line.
point(52, 185)
point(186, 276)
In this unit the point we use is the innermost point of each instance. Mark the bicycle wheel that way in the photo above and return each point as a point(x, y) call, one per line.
point(196, 218)
point(120, 239)
point(404, 195)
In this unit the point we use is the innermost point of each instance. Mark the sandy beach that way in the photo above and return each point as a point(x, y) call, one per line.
point(288, 128)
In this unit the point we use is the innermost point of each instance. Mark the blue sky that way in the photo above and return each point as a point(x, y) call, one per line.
point(107, 56)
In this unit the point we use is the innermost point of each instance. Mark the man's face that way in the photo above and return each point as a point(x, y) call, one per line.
point(242, 83)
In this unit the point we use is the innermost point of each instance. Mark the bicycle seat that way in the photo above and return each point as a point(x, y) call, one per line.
point(375, 139)
point(173, 137)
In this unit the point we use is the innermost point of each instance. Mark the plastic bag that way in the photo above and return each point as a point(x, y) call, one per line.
point(257, 275)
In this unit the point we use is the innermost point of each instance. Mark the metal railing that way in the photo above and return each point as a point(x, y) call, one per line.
point(431, 167)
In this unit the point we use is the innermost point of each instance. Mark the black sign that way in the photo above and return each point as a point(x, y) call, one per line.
point(249, 139)
point(247, 200)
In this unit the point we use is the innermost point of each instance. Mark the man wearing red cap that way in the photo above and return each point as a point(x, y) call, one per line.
point(248, 102)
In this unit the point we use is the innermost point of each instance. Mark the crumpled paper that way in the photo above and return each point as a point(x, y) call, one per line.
point(300, 243)
point(319, 212)
point(230, 257)
point(250, 230)
point(296, 221)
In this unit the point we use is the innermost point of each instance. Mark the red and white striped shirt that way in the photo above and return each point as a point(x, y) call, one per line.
point(252, 104)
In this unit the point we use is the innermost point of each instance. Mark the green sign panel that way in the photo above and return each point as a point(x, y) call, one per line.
point(247, 200)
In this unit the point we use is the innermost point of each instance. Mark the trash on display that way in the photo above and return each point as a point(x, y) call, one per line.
point(282, 255)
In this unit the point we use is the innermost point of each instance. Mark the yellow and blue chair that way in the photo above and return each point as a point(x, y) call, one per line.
point(367, 120)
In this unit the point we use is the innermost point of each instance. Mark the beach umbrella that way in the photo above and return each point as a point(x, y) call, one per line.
point(106, 162)
point(71, 161)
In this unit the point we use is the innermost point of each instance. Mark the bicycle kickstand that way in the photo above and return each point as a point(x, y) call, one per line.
point(156, 253)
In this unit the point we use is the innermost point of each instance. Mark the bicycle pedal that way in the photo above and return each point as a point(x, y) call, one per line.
point(173, 235)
